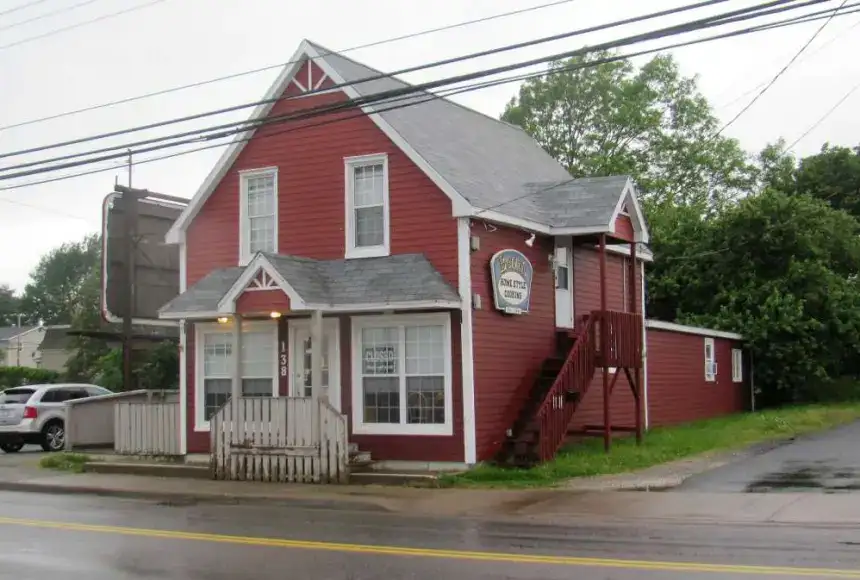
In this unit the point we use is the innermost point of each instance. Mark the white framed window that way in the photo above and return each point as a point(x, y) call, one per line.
point(258, 212)
point(401, 375)
point(710, 361)
point(737, 365)
point(214, 366)
point(367, 207)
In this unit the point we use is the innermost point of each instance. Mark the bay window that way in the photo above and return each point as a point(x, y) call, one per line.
point(402, 375)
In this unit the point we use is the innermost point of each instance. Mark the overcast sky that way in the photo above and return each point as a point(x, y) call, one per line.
point(174, 42)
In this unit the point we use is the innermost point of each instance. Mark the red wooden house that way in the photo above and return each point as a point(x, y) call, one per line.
point(474, 299)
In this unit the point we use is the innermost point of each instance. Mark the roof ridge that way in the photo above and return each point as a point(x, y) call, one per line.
point(328, 51)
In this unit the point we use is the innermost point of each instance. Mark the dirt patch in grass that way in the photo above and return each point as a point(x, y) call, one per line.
point(662, 445)
point(73, 462)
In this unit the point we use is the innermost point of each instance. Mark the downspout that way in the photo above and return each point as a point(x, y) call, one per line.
point(752, 383)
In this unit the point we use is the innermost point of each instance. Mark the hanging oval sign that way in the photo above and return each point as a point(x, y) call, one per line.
point(512, 281)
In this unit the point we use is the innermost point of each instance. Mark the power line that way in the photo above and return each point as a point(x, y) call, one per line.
point(823, 117)
point(22, 7)
point(782, 71)
point(282, 65)
point(428, 97)
point(80, 24)
point(196, 134)
point(379, 76)
point(49, 14)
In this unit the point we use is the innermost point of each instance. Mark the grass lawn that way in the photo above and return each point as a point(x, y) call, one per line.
point(63, 461)
point(662, 445)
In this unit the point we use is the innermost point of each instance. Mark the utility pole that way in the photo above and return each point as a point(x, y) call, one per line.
point(130, 163)
point(18, 350)
point(130, 212)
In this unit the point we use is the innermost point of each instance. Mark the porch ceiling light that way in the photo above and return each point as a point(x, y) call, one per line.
point(275, 314)
point(223, 320)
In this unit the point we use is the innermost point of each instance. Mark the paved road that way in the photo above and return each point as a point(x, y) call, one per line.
point(86, 538)
point(826, 462)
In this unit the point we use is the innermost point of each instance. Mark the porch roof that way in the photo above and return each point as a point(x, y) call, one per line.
point(400, 281)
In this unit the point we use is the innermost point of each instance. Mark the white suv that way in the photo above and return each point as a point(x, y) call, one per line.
point(37, 414)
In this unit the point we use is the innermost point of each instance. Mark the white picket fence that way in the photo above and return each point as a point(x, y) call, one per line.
point(282, 439)
point(142, 428)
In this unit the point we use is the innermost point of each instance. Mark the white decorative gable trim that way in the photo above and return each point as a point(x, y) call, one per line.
point(263, 281)
point(264, 276)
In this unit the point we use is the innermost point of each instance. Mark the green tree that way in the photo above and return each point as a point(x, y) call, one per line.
point(87, 352)
point(782, 270)
point(54, 292)
point(651, 123)
point(8, 306)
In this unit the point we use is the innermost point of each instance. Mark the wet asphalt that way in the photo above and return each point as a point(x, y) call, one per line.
point(826, 462)
point(78, 537)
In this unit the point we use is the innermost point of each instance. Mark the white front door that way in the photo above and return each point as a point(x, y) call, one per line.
point(300, 383)
point(563, 282)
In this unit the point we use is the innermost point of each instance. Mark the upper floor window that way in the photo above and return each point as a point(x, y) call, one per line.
point(367, 212)
point(258, 212)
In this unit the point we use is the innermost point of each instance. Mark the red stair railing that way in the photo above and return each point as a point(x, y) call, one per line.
point(555, 413)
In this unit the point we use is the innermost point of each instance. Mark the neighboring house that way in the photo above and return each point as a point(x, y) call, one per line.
point(54, 350)
point(453, 261)
point(19, 345)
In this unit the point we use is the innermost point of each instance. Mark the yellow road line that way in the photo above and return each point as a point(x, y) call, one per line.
point(497, 557)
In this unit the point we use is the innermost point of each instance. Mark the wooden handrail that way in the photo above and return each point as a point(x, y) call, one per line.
point(556, 411)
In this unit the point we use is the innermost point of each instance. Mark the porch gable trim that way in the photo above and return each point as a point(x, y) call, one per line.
point(258, 264)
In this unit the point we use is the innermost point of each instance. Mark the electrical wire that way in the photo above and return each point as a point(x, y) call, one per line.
point(783, 70)
point(80, 24)
point(243, 126)
point(415, 68)
point(283, 64)
point(428, 96)
point(49, 14)
point(22, 7)
point(823, 117)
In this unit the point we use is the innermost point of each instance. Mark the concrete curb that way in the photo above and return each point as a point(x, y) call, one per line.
point(187, 497)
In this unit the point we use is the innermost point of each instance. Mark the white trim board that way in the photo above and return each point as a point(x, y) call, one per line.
point(672, 327)
point(464, 265)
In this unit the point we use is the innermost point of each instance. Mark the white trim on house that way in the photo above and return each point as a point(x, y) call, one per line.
point(737, 365)
point(672, 327)
point(330, 308)
point(245, 254)
point(624, 250)
point(201, 424)
point(710, 360)
point(464, 265)
point(183, 388)
point(260, 262)
point(637, 216)
point(359, 427)
point(350, 164)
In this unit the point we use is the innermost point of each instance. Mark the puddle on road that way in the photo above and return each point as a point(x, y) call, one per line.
point(810, 477)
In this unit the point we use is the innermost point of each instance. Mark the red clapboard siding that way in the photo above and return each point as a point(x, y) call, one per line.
point(624, 228)
point(508, 350)
point(677, 390)
point(311, 214)
point(263, 301)
point(586, 284)
point(407, 447)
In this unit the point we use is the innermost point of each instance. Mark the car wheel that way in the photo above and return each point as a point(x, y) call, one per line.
point(12, 447)
point(54, 437)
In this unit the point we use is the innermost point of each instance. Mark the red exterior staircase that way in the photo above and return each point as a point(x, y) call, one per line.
point(541, 427)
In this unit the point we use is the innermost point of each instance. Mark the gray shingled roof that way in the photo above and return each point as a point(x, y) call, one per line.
point(7, 332)
point(401, 279)
point(491, 163)
point(205, 294)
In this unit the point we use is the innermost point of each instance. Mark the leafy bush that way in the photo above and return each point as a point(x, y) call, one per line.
point(17, 376)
